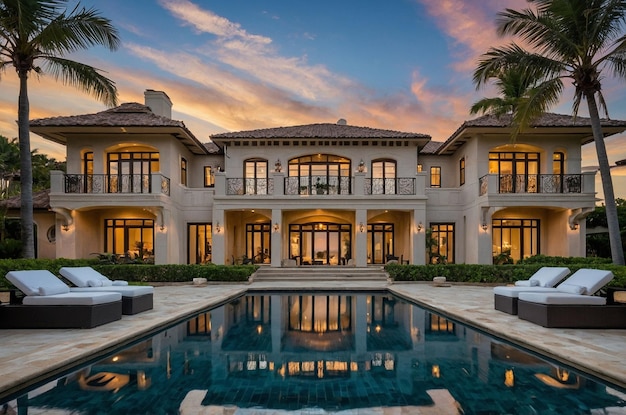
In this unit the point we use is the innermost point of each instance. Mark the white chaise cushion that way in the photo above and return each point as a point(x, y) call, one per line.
point(31, 281)
point(561, 298)
point(548, 276)
point(514, 291)
point(85, 277)
point(591, 279)
point(527, 283)
point(124, 290)
point(73, 299)
point(572, 288)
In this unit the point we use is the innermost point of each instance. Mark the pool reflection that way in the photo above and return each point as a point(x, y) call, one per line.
point(332, 352)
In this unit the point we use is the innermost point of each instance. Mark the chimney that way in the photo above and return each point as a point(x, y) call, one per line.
point(159, 103)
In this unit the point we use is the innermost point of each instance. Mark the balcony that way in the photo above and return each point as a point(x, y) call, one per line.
point(536, 183)
point(318, 185)
point(395, 186)
point(242, 186)
point(116, 183)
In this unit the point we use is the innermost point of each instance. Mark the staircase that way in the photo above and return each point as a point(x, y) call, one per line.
point(320, 273)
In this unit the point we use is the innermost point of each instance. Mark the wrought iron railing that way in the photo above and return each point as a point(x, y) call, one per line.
point(318, 185)
point(393, 186)
point(534, 183)
point(113, 183)
point(243, 186)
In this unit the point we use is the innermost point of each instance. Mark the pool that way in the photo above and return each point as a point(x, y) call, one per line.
point(315, 353)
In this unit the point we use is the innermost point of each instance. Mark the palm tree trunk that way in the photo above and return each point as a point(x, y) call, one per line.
point(26, 173)
point(617, 253)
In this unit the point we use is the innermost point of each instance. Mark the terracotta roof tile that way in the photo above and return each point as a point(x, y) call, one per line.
point(41, 200)
point(129, 114)
point(319, 131)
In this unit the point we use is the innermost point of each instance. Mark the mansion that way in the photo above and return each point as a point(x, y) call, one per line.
point(141, 185)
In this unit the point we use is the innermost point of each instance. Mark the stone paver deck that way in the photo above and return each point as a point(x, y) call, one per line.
point(27, 356)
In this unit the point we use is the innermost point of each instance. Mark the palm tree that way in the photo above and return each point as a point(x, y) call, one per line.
point(571, 40)
point(43, 30)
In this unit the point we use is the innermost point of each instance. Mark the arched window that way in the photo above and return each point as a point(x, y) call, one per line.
point(319, 174)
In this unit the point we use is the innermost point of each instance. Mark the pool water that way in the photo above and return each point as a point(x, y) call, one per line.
point(316, 353)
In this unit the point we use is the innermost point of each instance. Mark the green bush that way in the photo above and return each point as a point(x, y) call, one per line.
point(493, 274)
point(133, 273)
point(10, 248)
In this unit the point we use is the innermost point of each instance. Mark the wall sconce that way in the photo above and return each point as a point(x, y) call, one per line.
point(484, 226)
point(420, 227)
point(276, 227)
point(162, 228)
point(218, 228)
point(65, 227)
point(361, 227)
point(219, 168)
point(278, 167)
point(573, 226)
point(361, 166)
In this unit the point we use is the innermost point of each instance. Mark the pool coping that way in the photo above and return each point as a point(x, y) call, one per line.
point(41, 353)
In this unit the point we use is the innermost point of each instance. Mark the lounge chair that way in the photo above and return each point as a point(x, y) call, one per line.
point(505, 298)
point(48, 303)
point(135, 298)
point(573, 305)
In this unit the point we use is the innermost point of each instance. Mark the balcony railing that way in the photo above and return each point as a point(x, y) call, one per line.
point(318, 185)
point(116, 183)
point(394, 186)
point(533, 183)
point(241, 186)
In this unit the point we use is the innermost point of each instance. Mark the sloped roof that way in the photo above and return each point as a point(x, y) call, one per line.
point(327, 130)
point(41, 200)
point(118, 120)
point(579, 127)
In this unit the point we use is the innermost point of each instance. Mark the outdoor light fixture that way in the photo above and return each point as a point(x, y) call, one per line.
point(66, 227)
point(278, 167)
point(361, 227)
point(420, 227)
point(276, 227)
point(218, 228)
point(573, 226)
point(361, 166)
point(484, 226)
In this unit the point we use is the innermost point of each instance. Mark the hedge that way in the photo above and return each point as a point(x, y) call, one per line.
point(491, 274)
point(134, 273)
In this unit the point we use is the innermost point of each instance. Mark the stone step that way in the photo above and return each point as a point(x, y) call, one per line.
point(319, 274)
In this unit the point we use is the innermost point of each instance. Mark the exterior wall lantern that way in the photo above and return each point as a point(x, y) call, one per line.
point(361, 166)
point(361, 227)
point(574, 226)
point(278, 167)
point(484, 226)
point(420, 227)
point(276, 227)
point(218, 228)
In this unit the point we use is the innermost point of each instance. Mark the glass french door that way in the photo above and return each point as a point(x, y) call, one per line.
point(380, 242)
point(320, 243)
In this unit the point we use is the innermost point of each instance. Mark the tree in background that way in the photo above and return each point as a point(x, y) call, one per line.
point(33, 31)
point(598, 242)
point(573, 40)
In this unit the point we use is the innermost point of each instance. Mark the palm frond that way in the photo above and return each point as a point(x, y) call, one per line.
point(78, 30)
point(84, 77)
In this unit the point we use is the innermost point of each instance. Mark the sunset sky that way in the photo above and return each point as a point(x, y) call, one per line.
point(232, 65)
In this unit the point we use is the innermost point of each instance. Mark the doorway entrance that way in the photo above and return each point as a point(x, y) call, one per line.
point(320, 243)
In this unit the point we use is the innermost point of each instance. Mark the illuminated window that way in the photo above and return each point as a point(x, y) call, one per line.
point(435, 176)
point(183, 171)
point(209, 178)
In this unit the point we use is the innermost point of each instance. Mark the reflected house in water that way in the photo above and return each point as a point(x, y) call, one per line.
point(329, 351)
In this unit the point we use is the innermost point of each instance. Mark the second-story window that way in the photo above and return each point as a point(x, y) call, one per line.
point(209, 178)
point(256, 177)
point(435, 176)
point(183, 171)
point(383, 177)
point(129, 172)
point(462, 171)
point(558, 160)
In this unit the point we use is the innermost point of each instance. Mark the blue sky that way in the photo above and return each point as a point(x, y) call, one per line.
point(234, 65)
